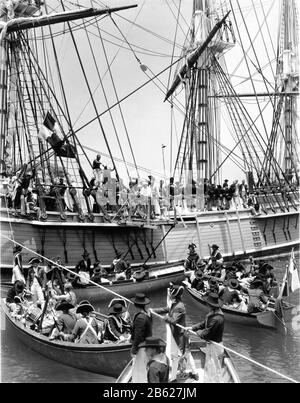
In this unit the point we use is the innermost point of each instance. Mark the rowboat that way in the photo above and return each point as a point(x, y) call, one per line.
point(104, 359)
point(228, 374)
point(266, 319)
point(159, 278)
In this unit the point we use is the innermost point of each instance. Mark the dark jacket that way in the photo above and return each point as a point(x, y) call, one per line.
point(176, 315)
point(115, 327)
point(191, 261)
point(141, 328)
point(212, 327)
point(158, 372)
point(11, 295)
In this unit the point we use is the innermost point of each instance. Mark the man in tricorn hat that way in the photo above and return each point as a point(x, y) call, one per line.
point(17, 272)
point(192, 259)
point(66, 321)
point(116, 328)
point(36, 280)
point(216, 258)
point(158, 366)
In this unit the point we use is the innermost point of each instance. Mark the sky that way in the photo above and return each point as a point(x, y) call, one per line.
point(146, 115)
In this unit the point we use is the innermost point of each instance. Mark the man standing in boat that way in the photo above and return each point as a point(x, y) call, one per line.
point(211, 330)
point(193, 258)
point(18, 272)
point(216, 258)
point(36, 281)
point(176, 315)
point(119, 267)
point(142, 322)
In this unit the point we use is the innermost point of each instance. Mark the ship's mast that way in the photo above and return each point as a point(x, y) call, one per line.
point(199, 152)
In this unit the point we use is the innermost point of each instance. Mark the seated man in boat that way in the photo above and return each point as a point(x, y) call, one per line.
point(216, 258)
point(86, 329)
point(65, 322)
point(158, 366)
point(17, 290)
point(198, 282)
point(213, 286)
point(98, 273)
point(193, 258)
point(230, 296)
point(116, 328)
point(119, 267)
point(257, 299)
point(85, 263)
point(36, 281)
point(267, 277)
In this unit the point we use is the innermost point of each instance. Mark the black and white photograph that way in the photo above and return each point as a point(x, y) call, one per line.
point(149, 194)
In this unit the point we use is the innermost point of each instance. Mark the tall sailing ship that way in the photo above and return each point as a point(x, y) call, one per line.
point(40, 145)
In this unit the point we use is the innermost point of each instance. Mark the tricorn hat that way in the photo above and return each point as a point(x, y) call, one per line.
point(17, 248)
point(118, 254)
point(152, 342)
point(257, 283)
point(34, 260)
point(192, 245)
point(199, 275)
point(176, 291)
point(85, 306)
point(117, 308)
point(115, 301)
point(140, 299)
point(213, 300)
point(233, 283)
point(64, 306)
point(85, 253)
point(214, 246)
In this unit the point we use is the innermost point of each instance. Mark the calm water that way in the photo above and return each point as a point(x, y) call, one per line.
point(282, 353)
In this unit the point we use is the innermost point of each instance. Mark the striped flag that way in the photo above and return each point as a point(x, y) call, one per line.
point(293, 271)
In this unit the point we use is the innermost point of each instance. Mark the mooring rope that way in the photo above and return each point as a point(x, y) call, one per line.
point(156, 314)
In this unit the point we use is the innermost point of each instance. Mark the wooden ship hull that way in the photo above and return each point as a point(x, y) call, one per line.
point(238, 234)
point(266, 319)
point(104, 359)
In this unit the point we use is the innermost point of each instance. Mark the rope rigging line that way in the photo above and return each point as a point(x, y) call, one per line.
point(106, 100)
point(154, 313)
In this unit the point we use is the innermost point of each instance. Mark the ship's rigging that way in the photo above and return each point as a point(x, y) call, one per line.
point(33, 84)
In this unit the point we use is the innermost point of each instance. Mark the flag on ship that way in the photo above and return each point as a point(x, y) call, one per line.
point(51, 133)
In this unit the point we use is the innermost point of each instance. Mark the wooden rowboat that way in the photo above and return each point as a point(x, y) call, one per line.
point(228, 372)
point(266, 319)
point(159, 278)
point(105, 359)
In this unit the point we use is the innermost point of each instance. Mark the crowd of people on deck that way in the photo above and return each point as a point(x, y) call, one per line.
point(246, 289)
point(29, 191)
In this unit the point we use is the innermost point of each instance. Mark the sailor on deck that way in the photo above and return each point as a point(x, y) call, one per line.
point(97, 164)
